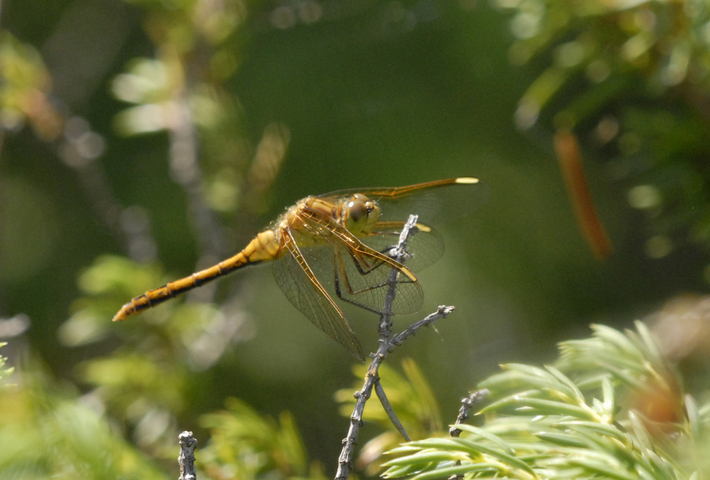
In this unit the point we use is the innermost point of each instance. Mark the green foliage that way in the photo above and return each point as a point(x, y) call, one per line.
point(24, 88)
point(108, 283)
point(612, 45)
point(348, 102)
point(247, 445)
point(48, 433)
point(411, 398)
point(183, 91)
point(632, 79)
point(611, 407)
point(146, 381)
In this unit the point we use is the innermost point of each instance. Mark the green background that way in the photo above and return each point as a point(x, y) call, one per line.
point(371, 98)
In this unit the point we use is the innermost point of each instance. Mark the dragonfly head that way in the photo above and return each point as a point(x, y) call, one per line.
point(360, 215)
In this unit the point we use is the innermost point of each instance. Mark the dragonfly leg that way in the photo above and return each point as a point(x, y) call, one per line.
point(339, 292)
point(362, 266)
point(350, 293)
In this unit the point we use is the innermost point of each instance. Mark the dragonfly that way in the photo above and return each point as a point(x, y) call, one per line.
point(342, 240)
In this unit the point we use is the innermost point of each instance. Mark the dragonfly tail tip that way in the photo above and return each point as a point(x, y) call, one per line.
point(121, 315)
point(466, 180)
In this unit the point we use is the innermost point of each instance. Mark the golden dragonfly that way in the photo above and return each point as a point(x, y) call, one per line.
point(342, 240)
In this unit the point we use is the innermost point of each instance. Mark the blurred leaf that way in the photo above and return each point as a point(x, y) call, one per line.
point(106, 285)
point(549, 425)
point(24, 90)
point(47, 434)
point(145, 382)
point(612, 69)
point(247, 445)
point(129, 379)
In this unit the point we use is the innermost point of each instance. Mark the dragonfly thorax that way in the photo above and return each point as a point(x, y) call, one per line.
point(359, 215)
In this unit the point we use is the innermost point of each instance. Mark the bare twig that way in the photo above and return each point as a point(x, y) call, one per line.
point(466, 405)
point(390, 411)
point(186, 460)
point(441, 312)
point(372, 379)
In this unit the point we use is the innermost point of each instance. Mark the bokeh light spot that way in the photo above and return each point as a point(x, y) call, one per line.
point(658, 246)
point(644, 197)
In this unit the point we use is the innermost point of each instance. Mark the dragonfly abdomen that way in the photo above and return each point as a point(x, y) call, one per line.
point(264, 247)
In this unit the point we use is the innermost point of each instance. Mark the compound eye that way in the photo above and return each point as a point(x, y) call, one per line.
point(357, 211)
point(360, 215)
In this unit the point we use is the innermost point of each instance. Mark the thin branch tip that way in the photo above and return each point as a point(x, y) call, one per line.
point(186, 460)
point(445, 309)
point(464, 413)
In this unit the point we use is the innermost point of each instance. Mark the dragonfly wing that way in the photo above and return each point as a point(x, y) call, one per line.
point(436, 202)
point(424, 245)
point(360, 273)
point(362, 278)
point(297, 281)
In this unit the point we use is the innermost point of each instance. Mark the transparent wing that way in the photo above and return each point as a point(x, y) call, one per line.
point(361, 278)
point(297, 281)
point(425, 246)
point(359, 274)
point(436, 202)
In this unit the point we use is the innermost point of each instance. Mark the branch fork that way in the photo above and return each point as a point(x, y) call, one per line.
point(385, 345)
